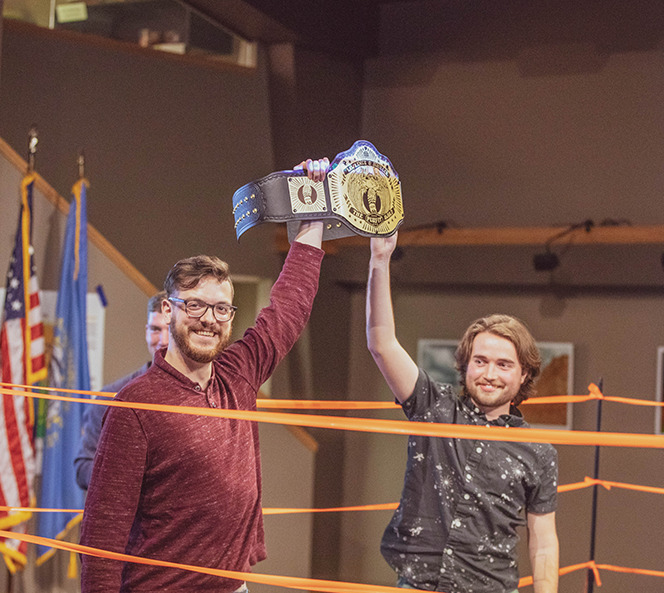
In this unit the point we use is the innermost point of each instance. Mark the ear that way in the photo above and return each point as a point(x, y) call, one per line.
point(524, 376)
point(167, 310)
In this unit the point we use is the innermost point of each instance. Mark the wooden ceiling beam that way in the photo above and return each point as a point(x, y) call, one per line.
point(503, 236)
point(596, 235)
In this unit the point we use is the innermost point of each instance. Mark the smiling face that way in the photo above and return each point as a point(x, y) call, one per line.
point(494, 375)
point(199, 340)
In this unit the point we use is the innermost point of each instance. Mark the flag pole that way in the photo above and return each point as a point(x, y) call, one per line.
point(40, 405)
point(69, 368)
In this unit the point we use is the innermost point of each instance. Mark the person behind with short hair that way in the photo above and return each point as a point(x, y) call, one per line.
point(187, 488)
point(455, 529)
point(156, 337)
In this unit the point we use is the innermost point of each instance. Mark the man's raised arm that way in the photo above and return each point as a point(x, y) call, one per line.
point(396, 365)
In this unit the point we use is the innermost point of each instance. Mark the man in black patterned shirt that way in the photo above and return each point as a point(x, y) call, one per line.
point(463, 499)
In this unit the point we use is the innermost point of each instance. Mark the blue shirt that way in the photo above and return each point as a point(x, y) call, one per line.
point(91, 428)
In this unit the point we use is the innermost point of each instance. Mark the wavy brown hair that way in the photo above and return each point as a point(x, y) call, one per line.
point(187, 273)
point(512, 329)
point(154, 304)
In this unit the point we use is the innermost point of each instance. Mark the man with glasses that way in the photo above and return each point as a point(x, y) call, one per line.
point(156, 337)
point(187, 488)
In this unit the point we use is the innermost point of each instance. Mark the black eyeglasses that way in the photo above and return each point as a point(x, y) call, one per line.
point(196, 308)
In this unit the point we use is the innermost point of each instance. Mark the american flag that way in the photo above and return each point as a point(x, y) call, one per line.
point(22, 362)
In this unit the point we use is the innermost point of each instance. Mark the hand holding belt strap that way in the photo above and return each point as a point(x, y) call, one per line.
point(361, 195)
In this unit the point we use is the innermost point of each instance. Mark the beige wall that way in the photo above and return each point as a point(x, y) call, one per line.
point(498, 148)
point(166, 143)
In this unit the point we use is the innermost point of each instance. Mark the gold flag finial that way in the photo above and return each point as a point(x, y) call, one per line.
point(81, 164)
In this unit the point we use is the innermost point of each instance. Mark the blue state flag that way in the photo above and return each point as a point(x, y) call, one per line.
point(68, 369)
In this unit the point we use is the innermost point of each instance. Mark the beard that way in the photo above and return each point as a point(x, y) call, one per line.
point(487, 400)
point(181, 337)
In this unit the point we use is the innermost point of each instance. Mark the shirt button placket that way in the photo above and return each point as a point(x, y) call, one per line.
point(446, 570)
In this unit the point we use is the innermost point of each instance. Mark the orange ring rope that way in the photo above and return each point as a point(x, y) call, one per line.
point(596, 568)
point(611, 567)
point(349, 405)
point(400, 427)
point(279, 581)
point(292, 582)
point(587, 483)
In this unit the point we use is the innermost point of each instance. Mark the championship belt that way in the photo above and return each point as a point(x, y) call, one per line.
point(360, 195)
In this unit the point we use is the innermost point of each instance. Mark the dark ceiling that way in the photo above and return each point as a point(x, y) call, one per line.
point(351, 27)
point(339, 26)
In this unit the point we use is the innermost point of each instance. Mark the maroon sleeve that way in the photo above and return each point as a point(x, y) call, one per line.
point(280, 324)
point(112, 499)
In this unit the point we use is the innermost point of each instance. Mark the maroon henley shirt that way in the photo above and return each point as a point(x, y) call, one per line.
point(184, 488)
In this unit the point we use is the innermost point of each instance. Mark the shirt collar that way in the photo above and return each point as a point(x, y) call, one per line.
point(514, 418)
point(161, 363)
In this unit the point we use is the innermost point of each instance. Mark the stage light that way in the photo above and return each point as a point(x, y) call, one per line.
point(544, 262)
point(547, 261)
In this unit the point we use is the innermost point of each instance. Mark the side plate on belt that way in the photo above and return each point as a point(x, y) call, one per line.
point(361, 194)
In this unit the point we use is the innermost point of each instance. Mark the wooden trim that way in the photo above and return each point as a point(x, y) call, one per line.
point(299, 432)
point(94, 236)
point(487, 236)
point(305, 438)
point(120, 261)
point(597, 235)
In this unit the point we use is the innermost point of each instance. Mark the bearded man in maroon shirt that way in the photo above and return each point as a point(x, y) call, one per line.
point(185, 488)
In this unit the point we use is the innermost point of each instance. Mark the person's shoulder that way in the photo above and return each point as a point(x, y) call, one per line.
point(429, 393)
point(140, 387)
point(549, 452)
point(118, 384)
point(426, 381)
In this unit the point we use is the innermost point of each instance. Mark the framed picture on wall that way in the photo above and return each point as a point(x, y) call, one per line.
point(659, 410)
point(556, 378)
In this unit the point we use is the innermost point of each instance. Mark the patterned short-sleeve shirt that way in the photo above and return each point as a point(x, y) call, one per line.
point(455, 529)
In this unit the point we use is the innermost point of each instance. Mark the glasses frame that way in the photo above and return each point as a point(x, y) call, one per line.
point(186, 302)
